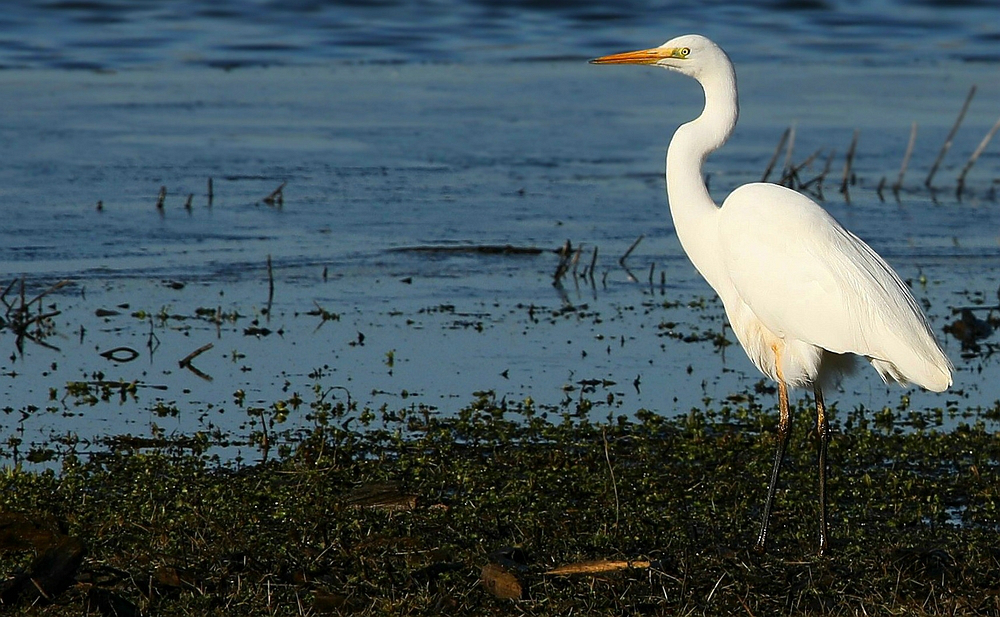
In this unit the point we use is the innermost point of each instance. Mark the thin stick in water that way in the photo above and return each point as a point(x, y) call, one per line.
point(818, 180)
point(788, 153)
point(191, 356)
point(975, 155)
point(826, 168)
point(186, 362)
point(576, 260)
point(277, 196)
point(849, 162)
point(951, 135)
point(774, 157)
point(906, 159)
point(270, 287)
point(621, 260)
point(792, 173)
point(564, 255)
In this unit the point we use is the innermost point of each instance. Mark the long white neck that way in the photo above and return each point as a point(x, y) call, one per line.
point(694, 213)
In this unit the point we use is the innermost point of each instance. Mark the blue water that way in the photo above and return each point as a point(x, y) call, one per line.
point(458, 124)
point(116, 35)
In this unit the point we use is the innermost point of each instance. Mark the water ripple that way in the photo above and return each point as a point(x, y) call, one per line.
point(116, 35)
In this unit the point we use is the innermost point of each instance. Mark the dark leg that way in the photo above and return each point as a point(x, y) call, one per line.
point(784, 424)
point(823, 430)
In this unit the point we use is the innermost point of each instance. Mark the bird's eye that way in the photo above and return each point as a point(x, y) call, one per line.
point(685, 52)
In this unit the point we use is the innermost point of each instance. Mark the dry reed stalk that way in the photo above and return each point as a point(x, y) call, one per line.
point(906, 159)
point(774, 157)
point(975, 155)
point(848, 163)
point(621, 260)
point(951, 135)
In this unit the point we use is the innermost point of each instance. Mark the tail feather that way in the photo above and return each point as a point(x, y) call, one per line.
point(930, 374)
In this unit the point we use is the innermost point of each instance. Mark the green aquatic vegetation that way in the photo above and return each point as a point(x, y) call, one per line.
point(99, 390)
point(403, 517)
point(217, 316)
point(323, 314)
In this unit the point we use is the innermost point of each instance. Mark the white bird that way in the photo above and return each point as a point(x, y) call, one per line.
point(804, 296)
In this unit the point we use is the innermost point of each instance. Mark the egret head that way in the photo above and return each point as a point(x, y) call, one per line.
point(690, 54)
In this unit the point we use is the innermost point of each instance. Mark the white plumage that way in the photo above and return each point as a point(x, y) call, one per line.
point(811, 285)
point(804, 296)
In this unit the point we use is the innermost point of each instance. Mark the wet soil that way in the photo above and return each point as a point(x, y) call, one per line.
point(516, 508)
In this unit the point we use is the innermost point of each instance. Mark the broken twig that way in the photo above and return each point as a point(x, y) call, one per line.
point(186, 362)
point(621, 260)
point(277, 196)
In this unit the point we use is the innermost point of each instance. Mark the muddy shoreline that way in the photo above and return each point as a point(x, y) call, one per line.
point(510, 507)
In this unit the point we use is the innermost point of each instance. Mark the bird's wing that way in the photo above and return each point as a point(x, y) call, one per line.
point(807, 278)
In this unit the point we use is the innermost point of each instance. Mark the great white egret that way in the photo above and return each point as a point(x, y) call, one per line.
point(804, 296)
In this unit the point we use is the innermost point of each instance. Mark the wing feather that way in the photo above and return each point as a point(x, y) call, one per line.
point(808, 279)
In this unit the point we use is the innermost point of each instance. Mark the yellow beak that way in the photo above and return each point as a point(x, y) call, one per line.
point(643, 56)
